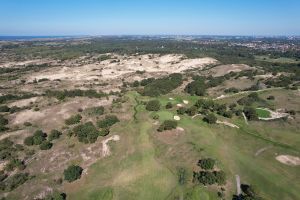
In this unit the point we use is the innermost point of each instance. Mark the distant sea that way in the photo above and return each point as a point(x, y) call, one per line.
point(12, 38)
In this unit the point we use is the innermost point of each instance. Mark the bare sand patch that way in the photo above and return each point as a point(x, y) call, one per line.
point(179, 105)
point(105, 147)
point(221, 70)
point(288, 160)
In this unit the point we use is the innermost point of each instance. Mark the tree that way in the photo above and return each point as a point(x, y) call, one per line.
point(196, 87)
point(153, 105)
point(86, 133)
point(207, 163)
point(210, 118)
point(73, 173)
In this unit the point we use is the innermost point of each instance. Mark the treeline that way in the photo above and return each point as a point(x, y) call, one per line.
point(10, 97)
point(62, 94)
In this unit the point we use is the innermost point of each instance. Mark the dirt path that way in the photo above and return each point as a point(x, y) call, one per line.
point(262, 150)
point(196, 116)
point(15, 133)
point(227, 124)
point(105, 147)
point(243, 92)
point(238, 185)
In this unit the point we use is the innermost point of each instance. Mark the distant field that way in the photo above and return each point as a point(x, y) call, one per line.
point(277, 60)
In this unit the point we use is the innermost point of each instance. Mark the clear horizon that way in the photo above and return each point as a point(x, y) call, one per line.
point(133, 17)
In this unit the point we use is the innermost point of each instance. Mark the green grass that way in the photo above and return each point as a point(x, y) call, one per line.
point(143, 167)
point(262, 113)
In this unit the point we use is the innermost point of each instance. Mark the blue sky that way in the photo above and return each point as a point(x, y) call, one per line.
point(115, 17)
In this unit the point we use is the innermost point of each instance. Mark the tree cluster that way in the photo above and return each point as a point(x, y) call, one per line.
point(153, 105)
point(75, 119)
point(163, 85)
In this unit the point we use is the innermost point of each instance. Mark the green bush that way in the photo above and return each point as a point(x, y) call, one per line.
point(104, 132)
point(207, 163)
point(168, 125)
point(29, 141)
point(75, 119)
point(45, 145)
point(56, 196)
point(86, 133)
point(15, 181)
point(27, 124)
point(181, 111)
point(54, 134)
point(3, 121)
point(210, 118)
point(210, 178)
point(73, 173)
point(153, 105)
point(169, 105)
point(15, 163)
point(99, 110)
point(196, 87)
point(108, 121)
point(38, 137)
point(4, 108)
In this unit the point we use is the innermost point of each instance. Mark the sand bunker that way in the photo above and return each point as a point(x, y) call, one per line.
point(185, 101)
point(177, 118)
point(288, 160)
point(179, 105)
point(105, 147)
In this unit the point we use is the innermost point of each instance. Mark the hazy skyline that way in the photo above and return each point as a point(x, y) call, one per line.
point(127, 17)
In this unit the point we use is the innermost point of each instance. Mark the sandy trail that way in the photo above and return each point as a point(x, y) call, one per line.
point(245, 118)
point(227, 124)
point(196, 116)
point(289, 160)
point(238, 185)
point(244, 92)
point(15, 133)
point(105, 147)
